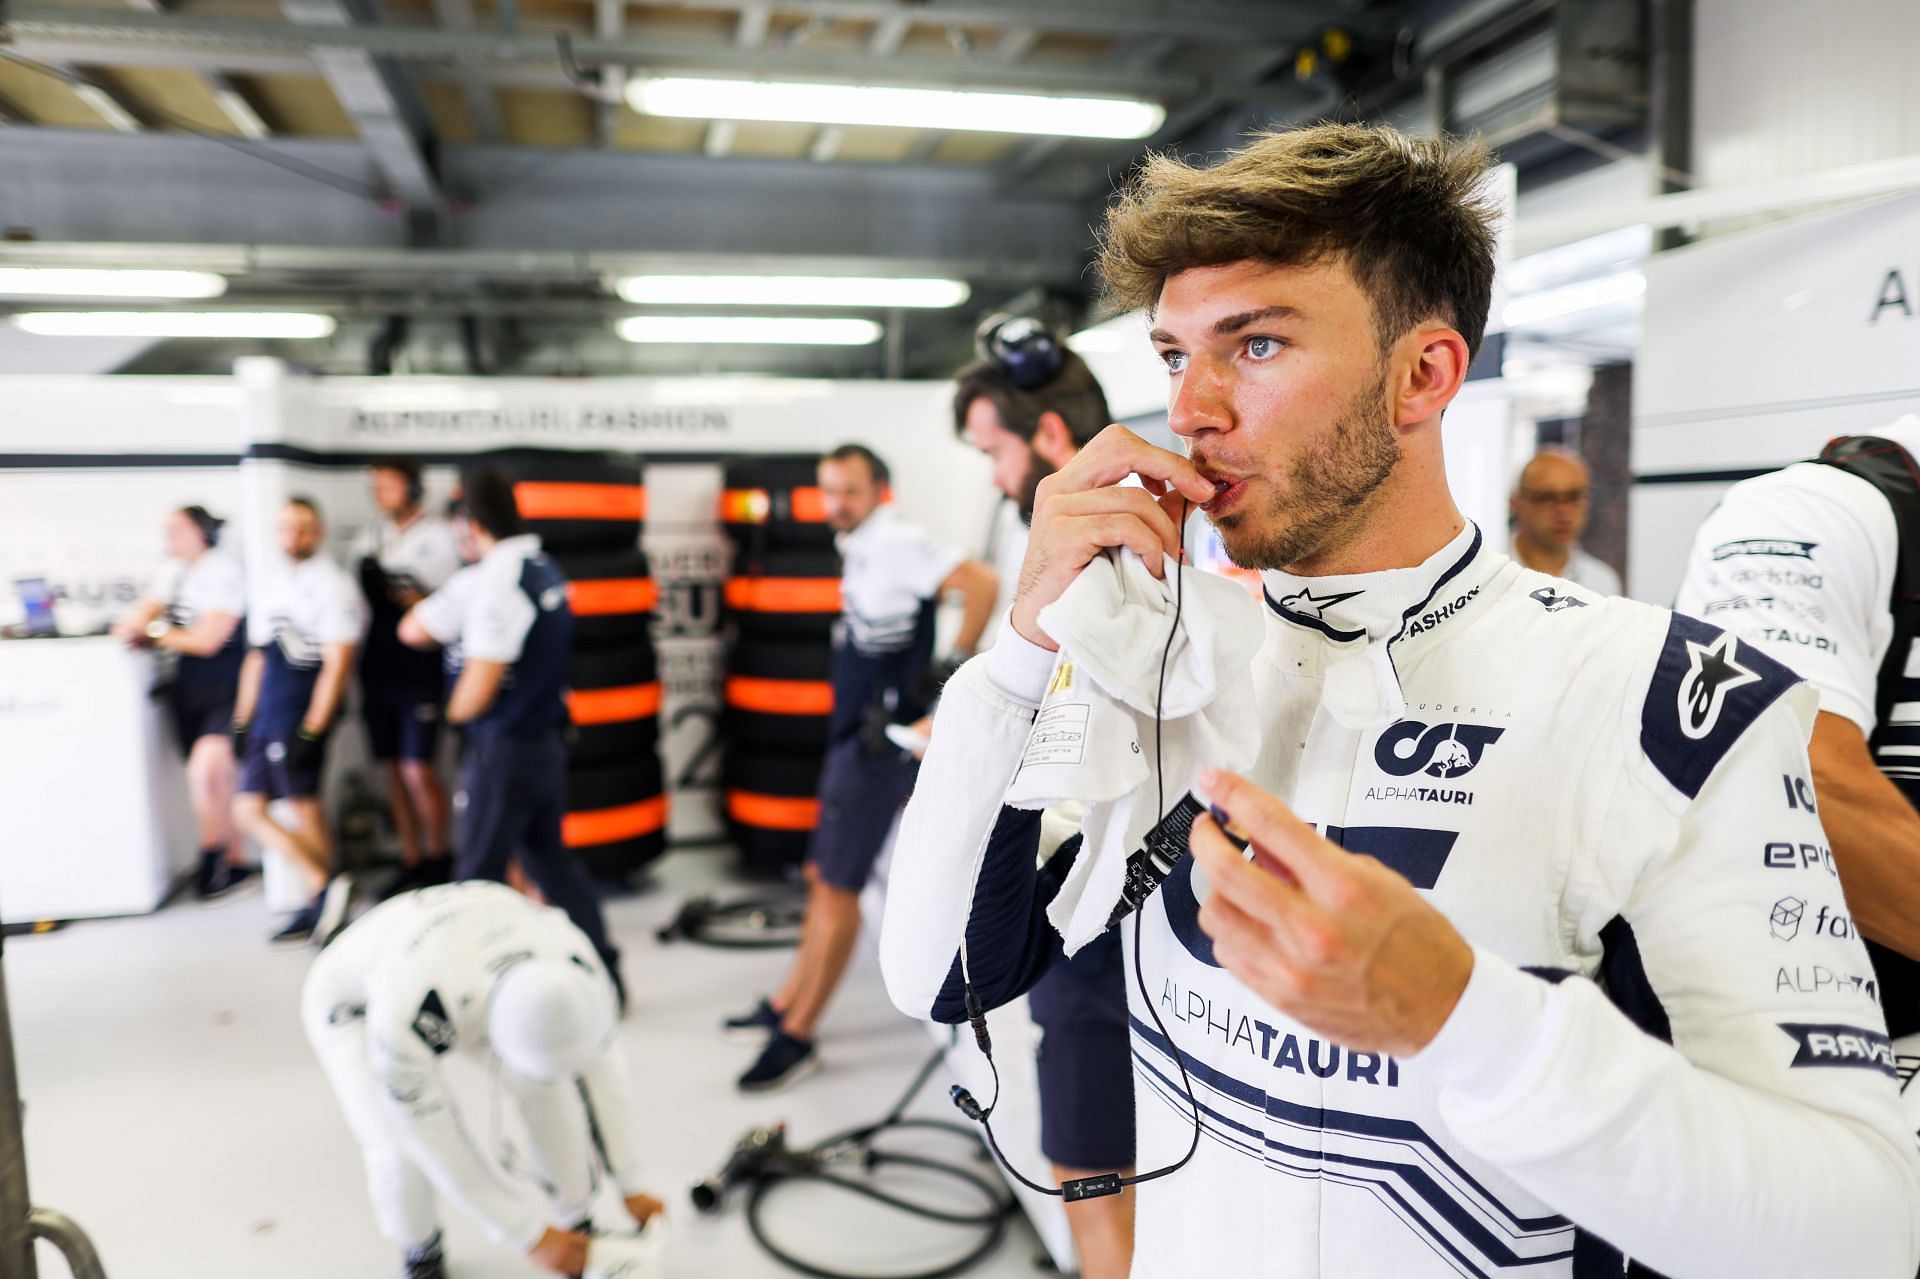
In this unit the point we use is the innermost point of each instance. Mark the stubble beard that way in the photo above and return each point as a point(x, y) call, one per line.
point(1327, 493)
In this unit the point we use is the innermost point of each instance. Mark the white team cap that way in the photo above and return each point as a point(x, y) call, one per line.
point(550, 1019)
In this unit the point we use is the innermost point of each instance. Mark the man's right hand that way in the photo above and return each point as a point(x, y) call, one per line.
point(1080, 511)
point(561, 1251)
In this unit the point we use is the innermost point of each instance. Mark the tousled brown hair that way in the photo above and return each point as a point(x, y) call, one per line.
point(1408, 216)
point(1074, 393)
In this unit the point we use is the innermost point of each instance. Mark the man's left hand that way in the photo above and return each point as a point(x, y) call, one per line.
point(643, 1208)
point(1336, 941)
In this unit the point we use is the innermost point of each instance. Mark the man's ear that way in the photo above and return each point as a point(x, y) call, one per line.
point(1053, 440)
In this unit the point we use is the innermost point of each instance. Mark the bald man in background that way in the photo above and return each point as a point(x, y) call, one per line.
point(1550, 505)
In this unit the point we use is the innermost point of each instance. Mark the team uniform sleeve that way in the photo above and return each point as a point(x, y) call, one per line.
point(220, 587)
point(406, 1069)
point(343, 613)
point(920, 562)
point(1727, 1106)
point(1805, 574)
point(962, 865)
point(497, 621)
point(444, 613)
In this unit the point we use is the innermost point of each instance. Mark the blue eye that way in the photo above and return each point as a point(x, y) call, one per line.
point(1176, 361)
point(1262, 348)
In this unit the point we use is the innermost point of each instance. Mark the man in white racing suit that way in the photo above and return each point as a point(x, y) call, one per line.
point(1503, 997)
point(480, 971)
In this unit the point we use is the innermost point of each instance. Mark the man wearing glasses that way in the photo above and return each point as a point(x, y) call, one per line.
point(1549, 515)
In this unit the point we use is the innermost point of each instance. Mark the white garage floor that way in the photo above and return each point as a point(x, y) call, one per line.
point(173, 1108)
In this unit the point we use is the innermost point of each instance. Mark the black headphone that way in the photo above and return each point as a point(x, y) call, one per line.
point(408, 469)
point(204, 521)
point(1022, 348)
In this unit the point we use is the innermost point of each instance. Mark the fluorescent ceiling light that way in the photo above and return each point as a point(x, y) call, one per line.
point(696, 99)
point(698, 330)
point(175, 324)
point(1569, 299)
point(790, 290)
point(64, 282)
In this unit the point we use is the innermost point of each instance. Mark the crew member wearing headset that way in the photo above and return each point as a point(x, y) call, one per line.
point(305, 629)
point(1030, 405)
point(404, 556)
point(894, 576)
point(193, 614)
point(508, 632)
point(478, 972)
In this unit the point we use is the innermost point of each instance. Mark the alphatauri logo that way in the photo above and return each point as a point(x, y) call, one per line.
point(1444, 750)
point(1713, 671)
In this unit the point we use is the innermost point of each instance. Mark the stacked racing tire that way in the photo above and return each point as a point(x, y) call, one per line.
point(783, 601)
point(589, 509)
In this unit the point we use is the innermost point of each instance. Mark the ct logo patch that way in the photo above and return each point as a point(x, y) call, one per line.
point(1713, 671)
point(1445, 750)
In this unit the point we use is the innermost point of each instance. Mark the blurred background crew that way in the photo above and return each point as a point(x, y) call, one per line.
point(1084, 1062)
point(477, 971)
point(305, 630)
point(893, 577)
point(1815, 565)
point(403, 557)
point(193, 612)
point(1550, 506)
point(508, 632)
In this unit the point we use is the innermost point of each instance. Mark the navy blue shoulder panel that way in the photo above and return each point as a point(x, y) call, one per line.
point(1010, 943)
point(1708, 687)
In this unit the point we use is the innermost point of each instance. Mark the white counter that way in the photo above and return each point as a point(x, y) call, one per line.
point(94, 818)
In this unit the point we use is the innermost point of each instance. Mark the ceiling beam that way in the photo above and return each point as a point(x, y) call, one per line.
point(105, 104)
point(233, 105)
point(130, 38)
point(385, 110)
point(720, 137)
point(1238, 22)
point(1015, 45)
point(751, 32)
point(827, 143)
point(888, 35)
point(483, 108)
point(609, 23)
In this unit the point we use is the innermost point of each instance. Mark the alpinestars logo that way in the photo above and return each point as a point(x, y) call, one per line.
point(1713, 671)
point(1444, 750)
point(1554, 602)
point(432, 1025)
point(1308, 604)
point(1765, 546)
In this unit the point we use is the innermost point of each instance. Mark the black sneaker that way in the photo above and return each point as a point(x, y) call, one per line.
point(299, 929)
point(409, 878)
point(333, 902)
point(426, 1261)
point(753, 1025)
point(212, 870)
point(784, 1062)
point(232, 879)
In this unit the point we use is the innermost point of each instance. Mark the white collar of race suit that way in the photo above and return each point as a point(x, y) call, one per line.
point(867, 529)
point(1367, 617)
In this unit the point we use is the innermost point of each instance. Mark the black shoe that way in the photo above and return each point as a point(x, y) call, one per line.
point(409, 878)
point(212, 870)
point(754, 1024)
point(333, 902)
point(231, 880)
point(784, 1062)
point(299, 929)
point(426, 1262)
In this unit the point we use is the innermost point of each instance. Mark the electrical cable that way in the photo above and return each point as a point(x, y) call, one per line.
point(768, 1164)
point(1109, 1183)
point(750, 923)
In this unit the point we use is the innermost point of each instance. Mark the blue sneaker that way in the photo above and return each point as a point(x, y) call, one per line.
point(299, 929)
point(426, 1261)
point(751, 1026)
point(785, 1062)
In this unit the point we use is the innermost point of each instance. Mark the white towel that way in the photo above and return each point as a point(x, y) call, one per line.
point(1093, 739)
